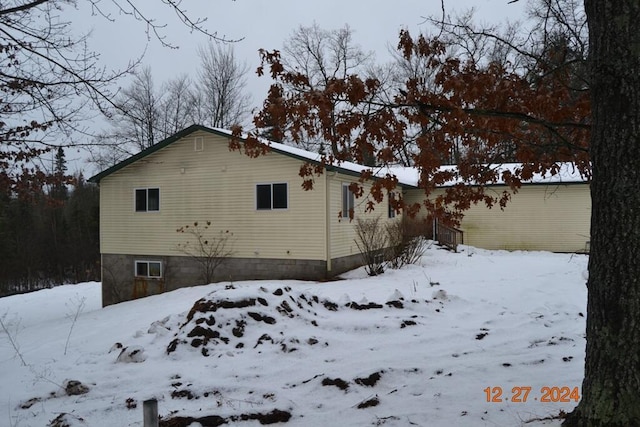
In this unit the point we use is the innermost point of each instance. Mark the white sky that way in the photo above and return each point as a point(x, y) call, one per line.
point(262, 24)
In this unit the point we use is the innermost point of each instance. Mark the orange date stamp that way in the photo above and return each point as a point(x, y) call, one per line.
point(522, 394)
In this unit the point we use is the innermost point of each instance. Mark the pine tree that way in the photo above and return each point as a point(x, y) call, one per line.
point(60, 190)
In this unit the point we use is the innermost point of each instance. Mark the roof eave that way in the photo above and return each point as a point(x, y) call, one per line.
point(194, 128)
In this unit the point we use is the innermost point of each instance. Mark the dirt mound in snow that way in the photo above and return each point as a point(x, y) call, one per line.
point(231, 319)
point(273, 417)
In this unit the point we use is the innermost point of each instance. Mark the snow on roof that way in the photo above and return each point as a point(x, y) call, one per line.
point(379, 172)
point(409, 176)
point(567, 173)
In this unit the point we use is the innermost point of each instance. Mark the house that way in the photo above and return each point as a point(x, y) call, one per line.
point(279, 230)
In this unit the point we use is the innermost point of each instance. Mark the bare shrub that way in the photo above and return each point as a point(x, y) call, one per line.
point(413, 250)
point(12, 337)
point(371, 243)
point(406, 242)
point(80, 303)
point(395, 236)
point(207, 248)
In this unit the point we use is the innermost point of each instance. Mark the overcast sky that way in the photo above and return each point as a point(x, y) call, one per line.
point(262, 24)
point(266, 24)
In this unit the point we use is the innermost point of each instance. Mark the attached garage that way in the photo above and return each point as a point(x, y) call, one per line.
point(551, 213)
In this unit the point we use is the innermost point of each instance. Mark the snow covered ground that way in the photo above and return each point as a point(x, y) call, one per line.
point(413, 347)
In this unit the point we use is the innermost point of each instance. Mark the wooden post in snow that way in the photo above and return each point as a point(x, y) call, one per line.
point(150, 413)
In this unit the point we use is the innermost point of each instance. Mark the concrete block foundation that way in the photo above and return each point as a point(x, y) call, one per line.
point(119, 282)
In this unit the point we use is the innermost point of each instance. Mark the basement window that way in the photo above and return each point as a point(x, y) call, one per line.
point(147, 199)
point(272, 196)
point(149, 269)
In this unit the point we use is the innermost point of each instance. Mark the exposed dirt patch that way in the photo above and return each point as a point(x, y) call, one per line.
point(173, 345)
point(369, 403)
point(285, 309)
point(182, 394)
point(263, 338)
point(395, 304)
point(29, 403)
point(208, 421)
point(203, 305)
point(273, 417)
point(406, 323)
point(199, 331)
point(211, 321)
point(238, 331)
point(75, 388)
point(369, 381)
point(66, 420)
point(330, 305)
point(261, 318)
point(247, 302)
point(338, 382)
point(369, 306)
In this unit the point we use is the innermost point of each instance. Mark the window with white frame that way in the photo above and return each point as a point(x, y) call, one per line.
point(272, 196)
point(348, 201)
point(149, 269)
point(147, 199)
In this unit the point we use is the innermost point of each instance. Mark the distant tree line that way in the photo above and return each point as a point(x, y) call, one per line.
point(49, 232)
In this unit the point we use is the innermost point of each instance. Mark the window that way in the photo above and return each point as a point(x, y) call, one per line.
point(271, 196)
point(348, 202)
point(150, 269)
point(147, 199)
point(392, 211)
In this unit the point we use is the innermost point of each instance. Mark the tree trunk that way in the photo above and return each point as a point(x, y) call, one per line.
point(611, 387)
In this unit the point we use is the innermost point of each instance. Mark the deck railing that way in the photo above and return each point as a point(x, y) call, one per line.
point(448, 236)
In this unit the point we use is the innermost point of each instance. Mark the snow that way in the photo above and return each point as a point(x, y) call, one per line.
point(415, 346)
point(314, 157)
point(567, 173)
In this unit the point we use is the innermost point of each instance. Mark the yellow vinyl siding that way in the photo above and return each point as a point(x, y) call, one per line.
point(213, 184)
point(554, 217)
point(343, 232)
point(538, 217)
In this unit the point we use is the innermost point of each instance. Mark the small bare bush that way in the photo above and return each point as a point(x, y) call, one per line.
point(207, 248)
point(406, 242)
point(12, 337)
point(371, 243)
